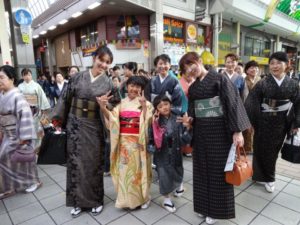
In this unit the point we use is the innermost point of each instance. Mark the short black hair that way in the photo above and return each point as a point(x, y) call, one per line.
point(163, 57)
point(160, 98)
point(25, 71)
point(116, 68)
point(132, 66)
point(281, 56)
point(136, 80)
point(102, 51)
point(240, 64)
point(10, 73)
point(76, 67)
point(249, 64)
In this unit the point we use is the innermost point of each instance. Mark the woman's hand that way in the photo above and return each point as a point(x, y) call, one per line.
point(185, 120)
point(238, 139)
point(103, 100)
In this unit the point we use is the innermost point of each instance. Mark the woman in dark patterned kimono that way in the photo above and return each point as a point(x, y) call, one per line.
point(219, 118)
point(17, 131)
point(269, 106)
point(85, 134)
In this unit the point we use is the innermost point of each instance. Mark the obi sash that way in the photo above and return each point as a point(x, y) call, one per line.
point(31, 99)
point(209, 107)
point(269, 105)
point(130, 122)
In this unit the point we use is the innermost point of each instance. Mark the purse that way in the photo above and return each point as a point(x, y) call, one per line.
point(291, 149)
point(53, 147)
point(242, 169)
point(24, 153)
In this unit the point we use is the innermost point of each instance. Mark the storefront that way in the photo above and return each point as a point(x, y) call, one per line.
point(182, 36)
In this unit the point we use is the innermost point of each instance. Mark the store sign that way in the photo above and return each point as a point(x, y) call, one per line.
point(260, 60)
point(291, 8)
point(173, 30)
point(191, 31)
point(88, 51)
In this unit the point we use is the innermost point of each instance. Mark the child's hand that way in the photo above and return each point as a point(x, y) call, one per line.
point(155, 116)
point(142, 100)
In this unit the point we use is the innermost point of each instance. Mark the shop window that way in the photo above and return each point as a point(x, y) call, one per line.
point(128, 28)
point(88, 35)
point(257, 46)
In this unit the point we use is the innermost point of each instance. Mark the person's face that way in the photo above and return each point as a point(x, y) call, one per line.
point(5, 83)
point(116, 82)
point(277, 68)
point(27, 77)
point(252, 71)
point(164, 108)
point(193, 70)
point(134, 91)
point(73, 71)
point(239, 69)
point(127, 72)
point(117, 72)
point(163, 67)
point(230, 64)
point(59, 78)
point(101, 64)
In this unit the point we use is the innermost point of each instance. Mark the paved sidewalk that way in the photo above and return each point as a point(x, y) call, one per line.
point(254, 205)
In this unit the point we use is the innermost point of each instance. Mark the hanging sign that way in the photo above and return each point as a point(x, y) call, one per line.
point(173, 30)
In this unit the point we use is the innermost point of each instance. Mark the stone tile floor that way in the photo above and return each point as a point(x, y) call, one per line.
point(254, 205)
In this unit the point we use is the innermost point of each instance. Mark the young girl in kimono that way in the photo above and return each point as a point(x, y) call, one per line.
point(170, 133)
point(17, 131)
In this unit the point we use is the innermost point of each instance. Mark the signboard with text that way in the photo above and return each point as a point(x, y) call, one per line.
point(173, 30)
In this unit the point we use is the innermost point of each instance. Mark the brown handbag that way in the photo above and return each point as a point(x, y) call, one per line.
point(242, 169)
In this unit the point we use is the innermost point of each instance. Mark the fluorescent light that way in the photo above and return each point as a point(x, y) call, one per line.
point(94, 5)
point(43, 32)
point(76, 14)
point(63, 21)
point(52, 27)
point(35, 36)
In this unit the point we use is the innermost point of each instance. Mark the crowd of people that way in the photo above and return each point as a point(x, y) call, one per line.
point(124, 126)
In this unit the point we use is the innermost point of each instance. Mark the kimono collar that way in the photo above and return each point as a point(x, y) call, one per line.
point(29, 83)
point(279, 82)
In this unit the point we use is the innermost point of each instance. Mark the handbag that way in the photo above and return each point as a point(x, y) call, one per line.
point(291, 149)
point(242, 168)
point(53, 147)
point(24, 153)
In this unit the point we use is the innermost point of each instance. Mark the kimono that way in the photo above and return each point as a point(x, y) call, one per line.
point(85, 138)
point(269, 109)
point(130, 161)
point(238, 82)
point(248, 134)
point(38, 101)
point(16, 124)
point(168, 159)
point(170, 87)
point(217, 111)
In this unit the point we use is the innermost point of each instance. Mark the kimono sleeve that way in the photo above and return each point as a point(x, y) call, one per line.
point(25, 124)
point(43, 101)
point(177, 96)
point(252, 103)
point(235, 113)
point(296, 107)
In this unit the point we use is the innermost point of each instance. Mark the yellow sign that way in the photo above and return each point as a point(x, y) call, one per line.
point(25, 38)
point(260, 60)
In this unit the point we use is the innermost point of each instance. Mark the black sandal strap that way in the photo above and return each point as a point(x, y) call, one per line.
point(168, 205)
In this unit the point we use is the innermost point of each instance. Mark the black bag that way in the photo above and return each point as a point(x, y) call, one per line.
point(290, 152)
point(53, 147)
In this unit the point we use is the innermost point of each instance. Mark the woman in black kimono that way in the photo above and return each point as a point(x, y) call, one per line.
point(85, 134)
point(269, 107)
point(218, 117)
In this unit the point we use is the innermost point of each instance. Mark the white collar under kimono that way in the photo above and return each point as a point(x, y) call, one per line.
point(279, 82)
point(92, 77)
point(162, 79)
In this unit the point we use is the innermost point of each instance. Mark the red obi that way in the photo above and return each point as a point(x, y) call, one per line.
point(130, 122)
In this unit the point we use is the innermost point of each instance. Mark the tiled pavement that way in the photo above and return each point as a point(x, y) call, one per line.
point(253, 204)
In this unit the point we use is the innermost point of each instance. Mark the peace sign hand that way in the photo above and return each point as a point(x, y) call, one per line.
point(155, 116)
point(142, 99)
point(103, 100)
point(185, 120)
